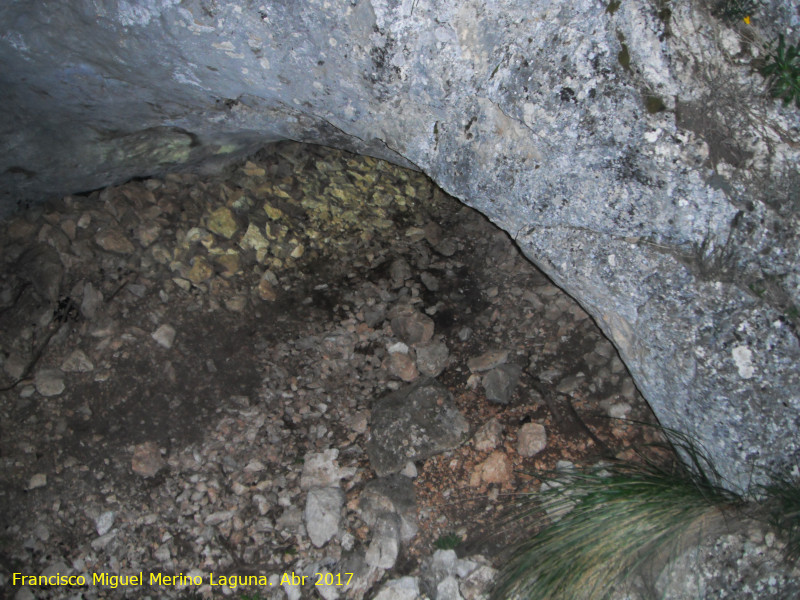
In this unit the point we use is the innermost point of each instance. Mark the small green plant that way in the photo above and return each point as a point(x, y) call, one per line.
point(606, 523)
point(613, 6)
point(601, 526)
point(782, 71)
point(447, 541)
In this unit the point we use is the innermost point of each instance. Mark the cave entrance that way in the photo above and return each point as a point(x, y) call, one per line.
point(176, 350)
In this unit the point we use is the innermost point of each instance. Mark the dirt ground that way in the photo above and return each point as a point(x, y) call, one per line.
point(173, 351)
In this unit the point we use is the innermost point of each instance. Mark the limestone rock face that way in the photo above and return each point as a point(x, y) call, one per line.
point(630, 151)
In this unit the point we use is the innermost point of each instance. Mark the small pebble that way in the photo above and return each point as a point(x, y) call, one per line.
point(164, 335)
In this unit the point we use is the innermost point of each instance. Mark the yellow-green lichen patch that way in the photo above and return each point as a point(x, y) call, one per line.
point(253, 240)
point(201, 271)
point(226, 149)
point(294, 208)
point(222, 222)
point(252, 170)
point(229, 263)
point(273, 212)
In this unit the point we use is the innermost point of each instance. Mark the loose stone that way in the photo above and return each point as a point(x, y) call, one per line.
point(412, 327)
point(147, 460)
point(164, 335)
point(114, 240)
point(432, 357)
point(266, 291)
point(495, 469)
point(488, 437)
point(385, 545)
point(402, 365)
point(77, 362)
point(404, 588)
point(49, 382)
point(487, 360)
point(201, 271)
point(323, 514)
point(531, 439)
point(500, 383)
point(37, 481)
point(104, 522)
point(222, 222)
point(323, 470)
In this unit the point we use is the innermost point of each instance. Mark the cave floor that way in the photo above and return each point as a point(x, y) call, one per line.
point(175, 351)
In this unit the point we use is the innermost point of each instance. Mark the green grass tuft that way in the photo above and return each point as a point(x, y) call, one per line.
point(609, 521)
point(782, 71)
point(448, 541)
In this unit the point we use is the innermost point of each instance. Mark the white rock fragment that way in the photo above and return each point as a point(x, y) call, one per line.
point(163, 553)
point(328, 592)
point(447, 589)
point(323, 513)
point(531, 439)
point(164, 335)
point(102, 541)
point(652, 136)
point(410, 470)
point(489, 435)
point(743, 357)
point(49, 382)
point(292, 591)
point(219, 517)
point(619, 410)
point(77, 362)
point(385, 545)
point(730, 41)
point(398, 348)
point(478, 583)
point(104, 523)
point(404, 588)
point(37, 481)
point(444, 561)
point(254, 466)
point(321, 470)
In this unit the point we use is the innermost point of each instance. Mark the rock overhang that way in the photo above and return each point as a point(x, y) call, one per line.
point(536, 115)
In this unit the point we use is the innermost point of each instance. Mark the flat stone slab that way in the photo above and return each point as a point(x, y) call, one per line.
point(414, 423)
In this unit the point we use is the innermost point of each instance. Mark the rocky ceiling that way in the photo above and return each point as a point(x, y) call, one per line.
point(628, 147)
